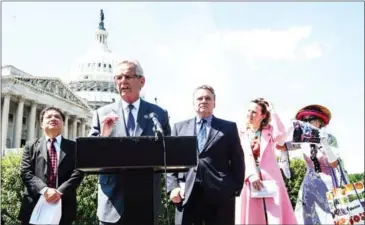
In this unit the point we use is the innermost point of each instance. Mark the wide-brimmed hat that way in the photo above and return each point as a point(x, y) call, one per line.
point(314, 110)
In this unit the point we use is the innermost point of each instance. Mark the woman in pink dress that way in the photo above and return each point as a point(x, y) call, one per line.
point(258, 139)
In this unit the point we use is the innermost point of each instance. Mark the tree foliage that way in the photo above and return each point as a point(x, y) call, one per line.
point(355, 177)
point(11, 194)
point(11, 185)
point(87, 195)
point(297, 171)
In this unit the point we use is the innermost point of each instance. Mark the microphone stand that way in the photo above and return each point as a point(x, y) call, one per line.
point(160, 136)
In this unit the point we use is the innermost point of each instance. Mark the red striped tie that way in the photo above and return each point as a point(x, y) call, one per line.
point(52, 164)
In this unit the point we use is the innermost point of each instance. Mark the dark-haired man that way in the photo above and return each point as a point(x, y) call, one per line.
point(48, 169)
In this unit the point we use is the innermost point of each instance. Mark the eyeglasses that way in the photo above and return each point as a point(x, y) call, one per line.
point(314, 159)
point(127, 77)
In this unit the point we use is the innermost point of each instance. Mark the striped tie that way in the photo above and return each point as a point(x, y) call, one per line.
point(202, 135)
point(52, 164)
point(130, 123)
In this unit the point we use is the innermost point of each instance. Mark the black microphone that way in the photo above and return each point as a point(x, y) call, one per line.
point(156, 123)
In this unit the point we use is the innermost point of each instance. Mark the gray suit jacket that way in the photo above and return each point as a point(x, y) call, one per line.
point(220, 165)
point(110, 189)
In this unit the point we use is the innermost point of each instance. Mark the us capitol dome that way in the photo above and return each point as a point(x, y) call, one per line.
point(92, 74)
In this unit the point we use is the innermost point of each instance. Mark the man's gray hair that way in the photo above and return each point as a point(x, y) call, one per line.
point(135, 63)
point(205, 87)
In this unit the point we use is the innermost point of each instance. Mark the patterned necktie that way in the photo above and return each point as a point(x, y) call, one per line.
point(202, 135)
point(130, 123)
point(52, 164)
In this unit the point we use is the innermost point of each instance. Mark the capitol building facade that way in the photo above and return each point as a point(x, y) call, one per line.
point(24, 96)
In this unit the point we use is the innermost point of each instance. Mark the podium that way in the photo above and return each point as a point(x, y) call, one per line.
point(138, 160)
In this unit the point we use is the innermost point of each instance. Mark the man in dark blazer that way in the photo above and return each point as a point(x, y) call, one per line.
point(207, 193)
point(125, 117)
point(48, 168)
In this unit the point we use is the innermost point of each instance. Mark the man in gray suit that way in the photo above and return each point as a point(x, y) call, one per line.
point(125, 117)
point(206, 194)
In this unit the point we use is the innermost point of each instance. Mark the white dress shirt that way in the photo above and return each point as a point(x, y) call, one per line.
point(125, 107)
point(57, 145)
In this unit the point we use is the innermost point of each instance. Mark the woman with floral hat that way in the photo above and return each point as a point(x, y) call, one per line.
point(312, 206)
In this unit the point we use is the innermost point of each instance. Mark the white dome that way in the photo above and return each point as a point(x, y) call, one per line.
point(98, 63)
point(92, 75)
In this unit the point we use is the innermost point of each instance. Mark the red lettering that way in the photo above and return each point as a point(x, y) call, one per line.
point(362, 215)
point(357, 218)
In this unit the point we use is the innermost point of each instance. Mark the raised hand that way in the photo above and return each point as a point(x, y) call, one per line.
point(108, 123)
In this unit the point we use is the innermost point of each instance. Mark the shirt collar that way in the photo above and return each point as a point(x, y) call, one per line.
point(58, 139)
point(136, 104)
point(208, 119)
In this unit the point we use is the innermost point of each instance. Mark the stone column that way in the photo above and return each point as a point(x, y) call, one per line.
point(31, 120)
point(4, 121)
point(40, 131)
point(83, 126)
point(65, 128)
point(19, 123)
point(74, 128)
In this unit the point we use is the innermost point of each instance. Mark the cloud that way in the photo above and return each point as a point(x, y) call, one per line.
point(312, 51)
point(217, 57)
point(284, 44)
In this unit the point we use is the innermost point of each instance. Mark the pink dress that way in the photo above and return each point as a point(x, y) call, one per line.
point(279, 209)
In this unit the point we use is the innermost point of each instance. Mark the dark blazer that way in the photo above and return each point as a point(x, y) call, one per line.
point(33, 170)
point(110, 189)
point(220, 164)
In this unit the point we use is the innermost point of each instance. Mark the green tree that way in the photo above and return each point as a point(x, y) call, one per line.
point(11, 195)
point(356, 177)
point(87, 201)
point(297, 171)
point(166, 216)
point(11, 186)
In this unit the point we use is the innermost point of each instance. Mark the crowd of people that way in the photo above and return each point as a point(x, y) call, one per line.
point(233, 166)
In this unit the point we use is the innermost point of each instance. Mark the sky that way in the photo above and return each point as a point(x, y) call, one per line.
point(293, 54)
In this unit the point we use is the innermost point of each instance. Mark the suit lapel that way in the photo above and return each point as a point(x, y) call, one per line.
point(189, 129)
point(214, 129)
point(141, 120)
point(44, 153)
point(43, 148)
point(119, 129)
point(63, 150)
